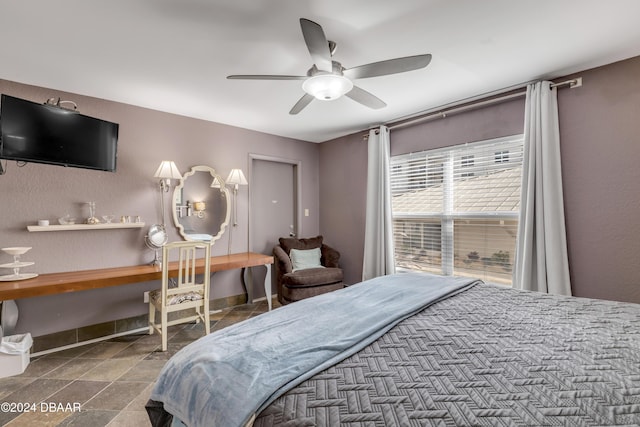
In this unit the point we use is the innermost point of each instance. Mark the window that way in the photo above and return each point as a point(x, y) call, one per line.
point(467, 162)
point(462, 218)
point(417, 179)
point(417, 173)
point(502, 156)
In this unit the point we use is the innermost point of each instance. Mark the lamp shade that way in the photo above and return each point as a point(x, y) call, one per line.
point(327, 87)
point(236, 177)
point(167, 170)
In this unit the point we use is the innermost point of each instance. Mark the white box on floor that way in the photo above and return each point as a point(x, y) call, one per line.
point(14, 354)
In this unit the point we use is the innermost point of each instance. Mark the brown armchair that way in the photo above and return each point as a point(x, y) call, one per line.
point(304, 283)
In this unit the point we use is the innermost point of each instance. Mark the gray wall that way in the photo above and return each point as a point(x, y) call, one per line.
point(600, 144)
point(146, 137)
point(343, 178)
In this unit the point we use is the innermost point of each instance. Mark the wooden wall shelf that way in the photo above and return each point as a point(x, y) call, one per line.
point(73, 227)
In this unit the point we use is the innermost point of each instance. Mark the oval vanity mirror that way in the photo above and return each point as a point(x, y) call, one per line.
point(200, 206)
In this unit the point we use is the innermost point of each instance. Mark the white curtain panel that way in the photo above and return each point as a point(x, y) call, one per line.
point(378, 239)
point(541, 255)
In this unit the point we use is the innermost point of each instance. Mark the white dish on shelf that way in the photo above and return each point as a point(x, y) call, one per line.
point(16, 250)
point(108, 219)
point(18, 264)
point(16, 277)
point(67, 220)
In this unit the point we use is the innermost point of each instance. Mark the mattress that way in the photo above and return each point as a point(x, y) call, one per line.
point(487, 356)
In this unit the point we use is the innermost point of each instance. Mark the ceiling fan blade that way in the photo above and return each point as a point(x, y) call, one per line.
point(264, 77)
point(302, 102)
point(365, 98)
point(317, 44)
point(390, 66)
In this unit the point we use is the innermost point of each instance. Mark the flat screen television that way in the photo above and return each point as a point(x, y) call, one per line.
point(44, 133)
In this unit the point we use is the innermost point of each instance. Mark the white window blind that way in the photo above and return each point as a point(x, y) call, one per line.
point(455, 210)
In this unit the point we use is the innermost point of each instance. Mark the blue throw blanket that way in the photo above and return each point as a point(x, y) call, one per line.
point(226, 377)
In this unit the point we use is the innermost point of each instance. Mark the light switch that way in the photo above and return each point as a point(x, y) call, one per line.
point(306, 212)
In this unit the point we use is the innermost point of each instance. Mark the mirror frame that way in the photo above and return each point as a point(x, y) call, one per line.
point(223, 189)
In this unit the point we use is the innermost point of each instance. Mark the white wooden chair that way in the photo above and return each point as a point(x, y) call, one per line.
point(184, 292)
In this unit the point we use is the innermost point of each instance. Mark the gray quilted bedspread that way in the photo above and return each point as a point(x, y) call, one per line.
point(490, 356)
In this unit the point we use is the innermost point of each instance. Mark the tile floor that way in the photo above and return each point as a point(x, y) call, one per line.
point(109, 381)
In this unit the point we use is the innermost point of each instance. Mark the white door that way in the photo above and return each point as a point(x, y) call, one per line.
point(273, 208)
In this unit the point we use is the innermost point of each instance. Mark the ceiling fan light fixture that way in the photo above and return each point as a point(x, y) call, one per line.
point(327, 87)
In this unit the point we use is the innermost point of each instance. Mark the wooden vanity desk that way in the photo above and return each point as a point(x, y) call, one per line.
point(56, 283)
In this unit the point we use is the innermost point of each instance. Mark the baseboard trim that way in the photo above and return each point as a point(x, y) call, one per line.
point(91, 341)
point(64, 340)
point(265, 298)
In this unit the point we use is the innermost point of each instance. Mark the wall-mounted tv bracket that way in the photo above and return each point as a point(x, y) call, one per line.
point(58, 103)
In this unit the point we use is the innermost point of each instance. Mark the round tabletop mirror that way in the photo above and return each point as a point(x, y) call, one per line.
point(155, 239)
point(201, 205)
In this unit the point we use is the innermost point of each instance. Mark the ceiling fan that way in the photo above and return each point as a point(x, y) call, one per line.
point(328, 79)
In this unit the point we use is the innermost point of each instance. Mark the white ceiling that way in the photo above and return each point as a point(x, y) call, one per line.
point(174, 55)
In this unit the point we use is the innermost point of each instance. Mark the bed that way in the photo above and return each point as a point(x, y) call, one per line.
point(412, 349)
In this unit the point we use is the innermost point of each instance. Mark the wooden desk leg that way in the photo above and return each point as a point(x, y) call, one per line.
point(247, 282)
point(267, 285)
point(210, 288)
point(8, 316)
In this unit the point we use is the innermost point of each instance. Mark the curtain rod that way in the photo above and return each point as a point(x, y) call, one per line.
point(472, 103)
